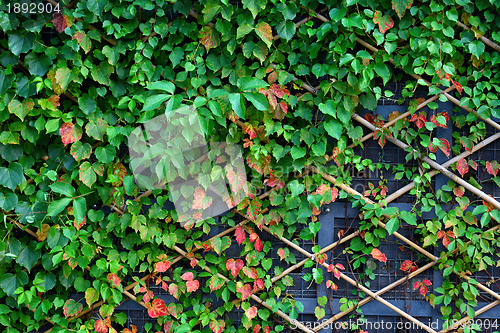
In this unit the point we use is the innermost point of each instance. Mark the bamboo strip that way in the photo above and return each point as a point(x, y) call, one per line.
point(378, 293)
point(254, 297)
point(360, 286)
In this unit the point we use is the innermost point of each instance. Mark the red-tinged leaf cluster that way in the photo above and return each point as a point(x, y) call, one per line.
point(419, 119)
point(492, 167)
point(101, 325)
point(408, 266)
point(274, 92)
point(336, 269)
point(444, 146)
point(250, 130)
point(240, 235)
point(422, 285)
point(446, 236)
point(377, 121)
point(148, 296)
point(377, 254)
point(251, 272)
point(209, 38)
point(132, 330)
point(434, 119)
point(244, 289)
point(162, 266)
point(330, 284)
point(458, 86)
point(258, 243)
point(382, 189)
point(281, 254)
point(70, 133)
point(459, 191)
point(381, 135)
point(217, 326)
point(157, 308)
point(384, 22)
point(462, 167)
point(234, 266)
point(201, 200)
point(115, 280)
point(321, 257)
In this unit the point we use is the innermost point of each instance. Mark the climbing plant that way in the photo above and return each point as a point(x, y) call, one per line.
point(285, 80)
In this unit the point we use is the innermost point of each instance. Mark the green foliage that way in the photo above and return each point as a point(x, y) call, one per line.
point(74, 85)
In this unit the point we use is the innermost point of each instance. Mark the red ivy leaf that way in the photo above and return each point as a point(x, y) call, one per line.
point(148, 296)
point(258, 245)
point(162, 266)
point(459, 191)
point(376, 254)
point(492, 167)
point(157, 308)
point(406, 265)
point(384, 22)
point(173, 290)
point(240, 235)
point(215, 283)
point(458, 86)
point(100, 326)
point(251, 272)
point(234, 266)
point(134, 329)
point(250, 130)
point(251, 312)
point(70, 133)
point(189, 276)
point(201, 200)
point(258, 285)
point(427, 282)
point(192, 285)
point(217, 326)
point(281, 254)
point(60, 22)
point(245, 291)
point(256, 328)
point(462, 167)
point(237, 180)
point(113, 278)
point(445, 147)
point(209, 38)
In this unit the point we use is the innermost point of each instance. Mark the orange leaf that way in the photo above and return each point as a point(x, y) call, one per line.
point(376, 254)
point(162, 266)
point(100, 326)
point(187, 276)
point(192, 285)
point(251, 312)
point(113, 278)
point(70, 133)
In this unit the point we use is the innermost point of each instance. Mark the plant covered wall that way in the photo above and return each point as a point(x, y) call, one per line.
point(294, 83)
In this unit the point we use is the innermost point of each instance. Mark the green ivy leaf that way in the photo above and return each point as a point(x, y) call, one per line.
point(63, 188)
point(247, 83)
point(105, 154)
point(238, 104)
point(57, 206)
point(79, 209)
point(80, 151)
point(102, 73)
point(96, 128)
point(28, 257)
point(21, 109)
point(286, 30)
point(400, 6)
point(392, 225)
point(72, 308)
point(8, 201)
point(11, 176)
point(258, 100)
point(87, 174)
point(152, 102)
point(255, 6)
point(334, 128)
point(21, 43)
point(38, 64)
